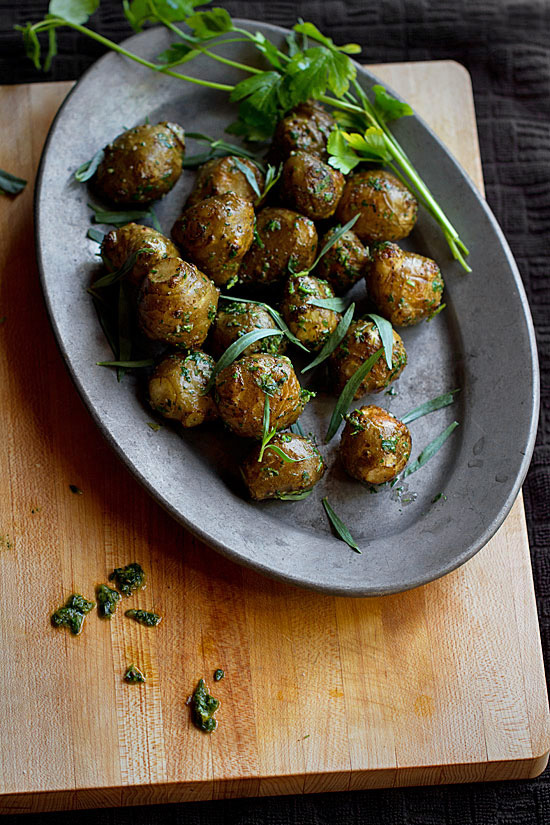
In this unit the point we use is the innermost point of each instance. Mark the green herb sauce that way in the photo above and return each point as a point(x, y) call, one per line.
point(73, 613)
point(145, 617)
point(107, 601)
point(134, 676)
point(218, 674)
point(128, 579)
point(203, 708)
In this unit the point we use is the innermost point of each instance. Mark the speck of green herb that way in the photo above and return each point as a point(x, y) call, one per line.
point(339, 526)
point(10, 184)
point(75, 490)
point(218, 674)
point(144, 617)
point(107, 601)
point(438, 497)
point(435, 312)
point(154, 426)
point(128, 579)
point(203, 708)
point(134, 676)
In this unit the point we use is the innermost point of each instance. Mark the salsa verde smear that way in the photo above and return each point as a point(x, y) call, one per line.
point(203, 708)
point(145, 617)
point(73, 613)
point(134, 675)
point(128, 579)
point(107, 601)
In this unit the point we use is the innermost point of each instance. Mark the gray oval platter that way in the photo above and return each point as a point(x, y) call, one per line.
point(483, 343)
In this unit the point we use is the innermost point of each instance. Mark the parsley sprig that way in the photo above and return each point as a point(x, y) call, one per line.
point(312, 66)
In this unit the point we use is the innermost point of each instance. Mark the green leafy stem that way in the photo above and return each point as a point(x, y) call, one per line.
point(323, 71)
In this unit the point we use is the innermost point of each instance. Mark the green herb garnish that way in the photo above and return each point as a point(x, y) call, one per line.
point(76, 490)
point(438, 497)
point(218, 674)
point(334, 340)
point(128, 579)
point(95, 235)
point(297, 429)
point(218, 149)
point(330, 243)
point(203, 708)
point(107, 601)
point(118, 218)
point(235, 349)
point(277, 317)
point(335, 304)
point(88, 169)
point(144, 617)
point(429, 451)
point(116, 275)
point(10, 184)
point(339, 526)
point(154, 426)
point(348, 393)
point(435, 312)
point(386, 336)
point(133, 675)
point(249, 175)
point(294, 496)
point(272, 176)
point(73, 613)
point(127, 365)
point(430, 406)
point(267, 434)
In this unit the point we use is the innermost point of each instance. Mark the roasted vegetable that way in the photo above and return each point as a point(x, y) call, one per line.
point(177, 303)
point(311, 186)
point(309, 323)
point(124, 241)
point(386, 207)
point(273, 476)
point(235, 320)
point(176, 388)
point(344, 263)
point(215, 234)
point(306, 127)
point(361, 341)
point(283, 239)
point(241, 389)
point(405, 287)
point(221, 175)
point(375, 445)
point(142, 164)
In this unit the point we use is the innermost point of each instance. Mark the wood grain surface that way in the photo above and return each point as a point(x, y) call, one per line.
point(441, 684)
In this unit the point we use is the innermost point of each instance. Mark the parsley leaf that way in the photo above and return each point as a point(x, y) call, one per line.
point(387, 107)
point(139, 12)
point(75, 11)
point(209, 24)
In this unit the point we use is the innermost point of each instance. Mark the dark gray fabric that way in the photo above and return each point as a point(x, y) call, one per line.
point(505, 46)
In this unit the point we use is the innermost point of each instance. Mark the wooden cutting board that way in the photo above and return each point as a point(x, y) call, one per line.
point(441, 684)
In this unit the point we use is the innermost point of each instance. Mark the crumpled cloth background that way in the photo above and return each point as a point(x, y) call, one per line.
point(505, 45)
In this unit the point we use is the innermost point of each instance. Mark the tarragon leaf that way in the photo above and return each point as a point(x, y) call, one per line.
point(347, 394)
point(429, 451)
point(237, 348)
point(89, 168)
point(339, 526)
point(386, 336)
point(10, 184)
point(430, 406)
point(249, 175)
point(334, 339)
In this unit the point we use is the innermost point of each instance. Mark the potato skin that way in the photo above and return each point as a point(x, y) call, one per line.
point(306, 127)
point(272, 476)
point(242, 387)
point(312, 325)
point(386, 207)
point(124, 241)
point(405, 287)
point(176, 388)
point(141, 164)
point(286, 238)
point(310, 186)
point(177, 303)
point(344, 264)
point(215, 234)
point(222, 175)
point(375, 445)
point(236, 319)
point(361, 341)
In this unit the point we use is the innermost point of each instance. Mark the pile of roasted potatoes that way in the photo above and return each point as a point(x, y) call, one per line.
point(264, 248)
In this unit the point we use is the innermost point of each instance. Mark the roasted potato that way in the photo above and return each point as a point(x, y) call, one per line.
point(142, 164)
point(361, 341)
point(344, 263)
point(387, 209)
point(405, 287)
point(242, 387)
point(120, 243)
point(215, 234)
point(177, 303)
point(177, 385)
point(309, 323)
point(235, 320)
point(282, 237)
point(375, 445)
point(273, 477)
point(306, 127)
point(221, 175)
point(310, 186)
